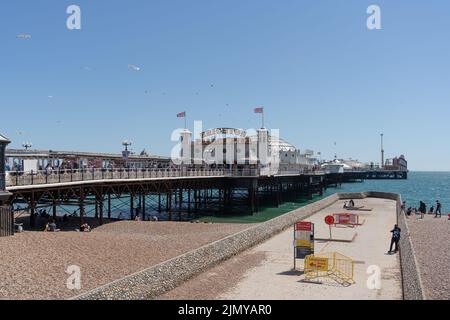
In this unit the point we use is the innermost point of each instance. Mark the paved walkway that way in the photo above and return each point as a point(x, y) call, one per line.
point(271, 276)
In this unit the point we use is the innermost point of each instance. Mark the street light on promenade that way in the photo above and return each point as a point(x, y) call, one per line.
point(27, 145)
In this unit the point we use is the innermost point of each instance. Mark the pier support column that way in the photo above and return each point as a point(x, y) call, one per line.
point(81, 205)
point(170, 205)
point(109, 205)
point(159, 202)
point(143, 206)
point(189, 201)
point(101, 205)
point(54, 210)
point(180, 203)
point(33, 211)
point(131, 206)
point(96, 206)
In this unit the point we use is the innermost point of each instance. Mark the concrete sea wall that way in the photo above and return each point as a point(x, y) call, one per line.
point(158, 279)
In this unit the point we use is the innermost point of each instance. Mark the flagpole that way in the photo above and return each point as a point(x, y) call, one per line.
point(262, 119)
point(185, 116)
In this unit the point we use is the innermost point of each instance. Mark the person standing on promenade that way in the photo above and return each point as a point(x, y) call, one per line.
point(403, 208)
point(422, 209)
point(395, 239)
point(438, 209)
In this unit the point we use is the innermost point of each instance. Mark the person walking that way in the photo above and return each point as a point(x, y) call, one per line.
point(438, 209)
point(395, 239)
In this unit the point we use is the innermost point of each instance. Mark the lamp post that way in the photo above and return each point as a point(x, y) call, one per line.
point(126, 153)
point(382, 152)
point(27, 145)
point(4, 196)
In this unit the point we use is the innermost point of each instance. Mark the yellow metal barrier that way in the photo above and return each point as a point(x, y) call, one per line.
point(330, 265)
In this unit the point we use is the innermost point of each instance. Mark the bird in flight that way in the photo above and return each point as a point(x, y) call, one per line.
point(23, 36)
point(134, 68)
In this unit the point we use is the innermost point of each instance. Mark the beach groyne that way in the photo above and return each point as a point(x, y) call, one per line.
point(158, 279)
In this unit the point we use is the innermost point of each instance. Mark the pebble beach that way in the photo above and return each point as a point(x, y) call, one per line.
point(431, 240)
point(34, 263)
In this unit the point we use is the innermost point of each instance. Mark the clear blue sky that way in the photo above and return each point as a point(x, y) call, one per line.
point(321, 75)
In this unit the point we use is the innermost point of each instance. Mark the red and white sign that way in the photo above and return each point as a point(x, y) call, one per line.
point(346, 219)
point(303, 226)
point(329, 220)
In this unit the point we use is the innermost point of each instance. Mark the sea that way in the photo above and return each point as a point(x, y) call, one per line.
point(420, 186)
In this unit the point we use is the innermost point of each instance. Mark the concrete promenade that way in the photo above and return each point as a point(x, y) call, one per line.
point(265, 271)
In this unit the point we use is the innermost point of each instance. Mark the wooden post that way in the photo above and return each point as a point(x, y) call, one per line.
point(180, 204)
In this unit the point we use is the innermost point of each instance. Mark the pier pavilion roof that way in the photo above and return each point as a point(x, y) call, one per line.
point(4, 139)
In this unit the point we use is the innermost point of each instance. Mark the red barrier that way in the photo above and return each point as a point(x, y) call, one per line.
point(347, 219)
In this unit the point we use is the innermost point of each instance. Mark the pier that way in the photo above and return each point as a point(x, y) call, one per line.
point(179, 193)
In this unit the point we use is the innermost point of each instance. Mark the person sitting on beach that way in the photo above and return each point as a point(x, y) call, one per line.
point(85, 228)
point(351, 203)
point(345, 205)
point(137, 218)
point(51, 227)
point(409, 211)
point(431, 210)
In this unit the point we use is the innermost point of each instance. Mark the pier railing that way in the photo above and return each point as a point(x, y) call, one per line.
point(19, 178)
point(42, 177)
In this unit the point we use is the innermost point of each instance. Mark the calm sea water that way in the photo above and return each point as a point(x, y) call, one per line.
point(420, 186)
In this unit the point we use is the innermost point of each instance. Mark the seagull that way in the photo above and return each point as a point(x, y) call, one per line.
point(23, 36)
point(133, 67)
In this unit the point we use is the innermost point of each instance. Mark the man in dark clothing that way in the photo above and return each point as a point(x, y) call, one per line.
point(395, 238)
point(438, 209)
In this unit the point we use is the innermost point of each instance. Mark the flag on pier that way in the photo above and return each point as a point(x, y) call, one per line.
point(260, 110)
point(181, 114)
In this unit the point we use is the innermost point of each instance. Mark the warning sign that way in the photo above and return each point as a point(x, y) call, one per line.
point(316, 264)
point(303, 239)
point(303, 226)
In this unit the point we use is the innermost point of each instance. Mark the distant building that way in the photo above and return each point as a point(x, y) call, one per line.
point(397, 163)
point(239, 149)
